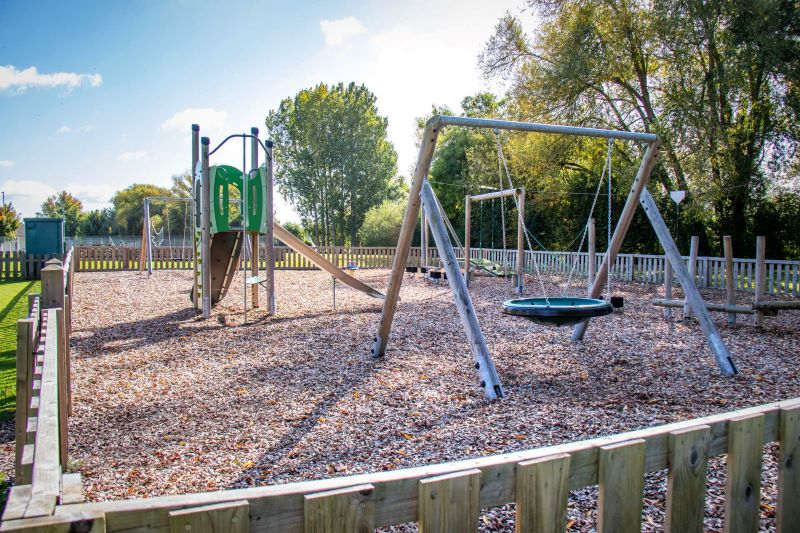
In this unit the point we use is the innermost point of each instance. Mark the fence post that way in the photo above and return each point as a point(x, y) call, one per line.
point(743, 484)
point(761, 277)
point(730, 284)
point(788, 515)
point(53, 285)
point(687, 312)
point(450, 502)
point(667, 285)
point(621, 483)
point(686, 488)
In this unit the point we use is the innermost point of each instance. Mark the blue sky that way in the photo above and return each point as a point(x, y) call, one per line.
point(97, 95)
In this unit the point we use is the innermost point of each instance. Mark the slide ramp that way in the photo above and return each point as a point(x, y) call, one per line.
point(226, 248)
point(309, 253)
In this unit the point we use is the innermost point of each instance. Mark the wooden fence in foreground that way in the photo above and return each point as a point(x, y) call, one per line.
point(448, 497)
point(44, 399)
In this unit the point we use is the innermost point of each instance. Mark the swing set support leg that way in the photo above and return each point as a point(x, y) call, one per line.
point(640, 194)
point(490, 380)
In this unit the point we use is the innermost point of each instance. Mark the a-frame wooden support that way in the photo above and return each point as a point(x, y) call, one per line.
point(638, 193)
point(490, 381)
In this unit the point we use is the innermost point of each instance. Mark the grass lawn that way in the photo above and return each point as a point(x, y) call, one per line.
point(13, 306)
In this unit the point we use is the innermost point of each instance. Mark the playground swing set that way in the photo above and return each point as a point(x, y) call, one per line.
point(546, 310)
point(224, 240)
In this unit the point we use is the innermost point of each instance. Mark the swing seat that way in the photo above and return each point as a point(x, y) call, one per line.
point(557, 311)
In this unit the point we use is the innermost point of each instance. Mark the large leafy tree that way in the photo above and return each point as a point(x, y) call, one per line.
point(333, 160)
point(716, 80)
point(9, 220)
point(97, 222)
point(129, 207)
point(63, 205)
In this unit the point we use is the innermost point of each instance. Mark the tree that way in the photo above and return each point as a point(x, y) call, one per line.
point(182, 184)
point(334, 161)
point(9, 220)
point(129, 207)
point(716, 80)
point(63, 205)
point(96, 222)
point(297, 230)
point(382, 224)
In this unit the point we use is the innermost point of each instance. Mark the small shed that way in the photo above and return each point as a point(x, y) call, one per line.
point(44, 235)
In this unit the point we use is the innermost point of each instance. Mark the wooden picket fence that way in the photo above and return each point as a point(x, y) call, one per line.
point(17, 265)
point(783, 277)
point(448, 497)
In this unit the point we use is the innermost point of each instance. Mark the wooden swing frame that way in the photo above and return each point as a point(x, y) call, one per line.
point(421, 194)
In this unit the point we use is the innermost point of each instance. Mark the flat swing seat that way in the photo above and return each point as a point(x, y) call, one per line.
point(252, 280)
point(557, 311)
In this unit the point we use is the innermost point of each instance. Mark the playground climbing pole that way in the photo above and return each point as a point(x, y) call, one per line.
point(637, 194)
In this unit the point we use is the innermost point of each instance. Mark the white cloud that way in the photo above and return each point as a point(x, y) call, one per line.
point(93, 195)
point(338, 31)
point(5, 163)
point(133, 156)
point(28, 195)
point(208, 118)
point(20, 80)
point(64, 129)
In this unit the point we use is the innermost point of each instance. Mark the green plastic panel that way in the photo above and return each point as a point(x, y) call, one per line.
point(222, 178)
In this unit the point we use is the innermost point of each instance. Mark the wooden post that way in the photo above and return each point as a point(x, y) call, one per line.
point(423, 240)
point(427, 146)
point(625, 218)
point(490, 381)
point(467, 235)
point(450, 502)
point(693, 249)
point(693, 298)
point(25, 350)
point(686, 488)
point(53, 290)
point(542, 488)
point(346, 510)
point(743, 483)
point(269, 235)
point(730, 287)
point(143, 247)
point(520, 240)
point(592, 271)
point(620, 476)
point(788, 514)
point(761, 277)
point(667, 285)
point(254, 147)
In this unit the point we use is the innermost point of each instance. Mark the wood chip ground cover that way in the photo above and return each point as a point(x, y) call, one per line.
point(166, 403)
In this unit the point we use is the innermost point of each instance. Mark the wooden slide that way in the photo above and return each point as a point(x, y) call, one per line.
point(309, 253)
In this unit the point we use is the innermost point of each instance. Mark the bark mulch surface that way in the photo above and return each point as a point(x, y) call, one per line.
point(166, 403)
